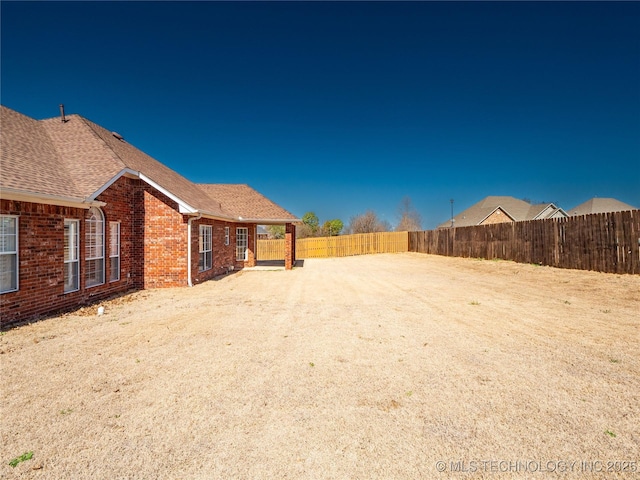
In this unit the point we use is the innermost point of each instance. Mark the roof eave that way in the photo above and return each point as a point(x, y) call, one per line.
point(213, 216)
point(555, 211)
point(183, 207)
point(495, 210)
point(543, 209)
point(48, 199)
point(269, 221)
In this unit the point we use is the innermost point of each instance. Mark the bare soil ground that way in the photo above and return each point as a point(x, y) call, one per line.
point(363, 367)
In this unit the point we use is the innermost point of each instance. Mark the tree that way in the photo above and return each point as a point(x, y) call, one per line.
point(410, 220)
point(303, 231)
point(384, 226)
point(310, 219)
point(367, 222)
point(332, 227)
point(276, 231)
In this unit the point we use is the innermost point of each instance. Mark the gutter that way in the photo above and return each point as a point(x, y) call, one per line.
point(268, 221)
point(191, 219)
point(45, 198)
point(215, 216)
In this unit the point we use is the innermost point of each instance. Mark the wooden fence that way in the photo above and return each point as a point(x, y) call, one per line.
point(340, 246)
point(604, 242)
point(270, 250)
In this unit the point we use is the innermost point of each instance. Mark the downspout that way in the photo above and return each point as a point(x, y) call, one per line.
point(191, 219)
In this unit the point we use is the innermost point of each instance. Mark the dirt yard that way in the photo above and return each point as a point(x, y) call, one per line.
point(372, 367)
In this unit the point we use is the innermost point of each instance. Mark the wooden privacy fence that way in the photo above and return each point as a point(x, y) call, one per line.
point(340, 246)
point(270, 249)
point(604, 242)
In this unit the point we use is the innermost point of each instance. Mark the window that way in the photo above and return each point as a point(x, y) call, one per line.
point(204, 247)
point(94, 247)
point(114, 251)
point(226, 235)
point(71, 257)
point(8, 254)
point(242, 241)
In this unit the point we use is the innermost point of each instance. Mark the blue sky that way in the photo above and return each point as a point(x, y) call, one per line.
point(340, 107)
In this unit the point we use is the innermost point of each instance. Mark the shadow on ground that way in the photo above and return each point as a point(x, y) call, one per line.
point(277, 263)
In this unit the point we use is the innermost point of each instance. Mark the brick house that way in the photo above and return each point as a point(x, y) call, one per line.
point(85, 215)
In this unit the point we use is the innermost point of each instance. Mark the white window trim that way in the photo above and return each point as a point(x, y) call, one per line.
point(202, 247)
point(226, 236)
point(77, 249)
point(246, 243)
point(111, 255)
point(15, 252)
point(88, 259)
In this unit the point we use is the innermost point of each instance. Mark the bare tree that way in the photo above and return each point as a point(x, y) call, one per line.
point(367, 222)
point(410, 220)
point(304, 231)
point(384, 226)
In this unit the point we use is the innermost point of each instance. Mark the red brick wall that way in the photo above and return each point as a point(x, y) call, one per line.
point(119, 198)
point(164, 233)
point(289, 246)
point(164, 239)
point(41, 255)
point(224, 256)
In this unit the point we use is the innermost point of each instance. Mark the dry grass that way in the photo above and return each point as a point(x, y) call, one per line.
point(362, 367)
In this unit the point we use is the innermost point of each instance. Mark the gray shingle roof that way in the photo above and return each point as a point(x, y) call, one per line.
point(600, 205)
point(86, 158)
point(29, 161)
point(77, 158)
point(243, 201)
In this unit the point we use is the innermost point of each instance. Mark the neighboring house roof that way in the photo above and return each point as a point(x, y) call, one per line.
point(78, 159)
point(600, 205)
point(517, 210)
